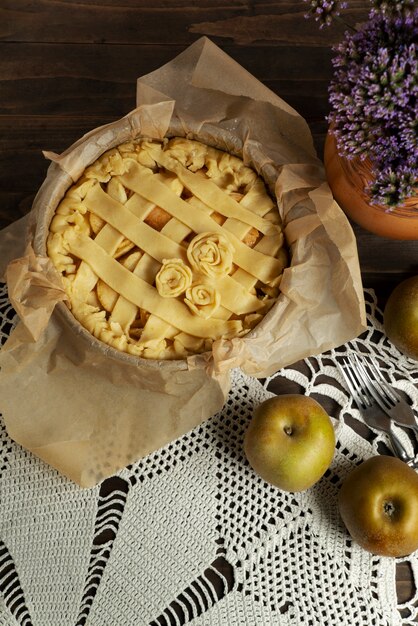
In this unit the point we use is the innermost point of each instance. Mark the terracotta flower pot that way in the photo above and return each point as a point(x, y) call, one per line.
point(349, 180)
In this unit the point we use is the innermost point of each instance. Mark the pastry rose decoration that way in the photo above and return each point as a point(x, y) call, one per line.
point(173, 278)
point(210, 254)
point(203, 300)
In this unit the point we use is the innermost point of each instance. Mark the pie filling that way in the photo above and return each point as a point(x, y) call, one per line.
point(164, 247)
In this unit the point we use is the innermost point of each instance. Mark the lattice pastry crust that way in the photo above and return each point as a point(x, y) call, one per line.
point(167, 246)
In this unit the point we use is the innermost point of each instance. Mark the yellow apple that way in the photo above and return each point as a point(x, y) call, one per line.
point(290, 441)
point(378, 503)
point(400, 317)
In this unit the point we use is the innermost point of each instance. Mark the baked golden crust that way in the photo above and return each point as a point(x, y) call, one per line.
point(164, 247)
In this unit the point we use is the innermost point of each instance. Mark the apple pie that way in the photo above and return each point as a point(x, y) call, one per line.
point(167, 246)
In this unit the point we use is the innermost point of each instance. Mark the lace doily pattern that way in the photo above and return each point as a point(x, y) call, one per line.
point(190, 535)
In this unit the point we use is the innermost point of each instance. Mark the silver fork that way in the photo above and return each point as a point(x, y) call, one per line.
point(389, 399)
point(361, 389)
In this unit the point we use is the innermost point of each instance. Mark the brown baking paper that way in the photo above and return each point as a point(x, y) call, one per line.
point(89, 410)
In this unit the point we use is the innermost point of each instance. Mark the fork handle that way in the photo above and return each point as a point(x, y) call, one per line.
point(398, 448)
point(412, 427)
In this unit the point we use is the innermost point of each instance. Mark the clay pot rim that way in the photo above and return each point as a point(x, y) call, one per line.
point(359, 172)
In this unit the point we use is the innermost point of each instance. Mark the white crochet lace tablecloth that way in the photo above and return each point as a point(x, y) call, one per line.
point(190, 535)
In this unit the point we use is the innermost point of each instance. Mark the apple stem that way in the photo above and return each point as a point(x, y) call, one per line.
point(389, 509)
point(288, 430)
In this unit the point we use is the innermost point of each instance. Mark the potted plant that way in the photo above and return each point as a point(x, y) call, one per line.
point(371, 150)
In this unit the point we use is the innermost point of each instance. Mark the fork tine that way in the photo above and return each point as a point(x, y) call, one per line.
point(384, 394)
point(360, 379)
point(368, 399)
point(374, 378)
point(350, 386)
point(398, 408)
point(393, 396)
point(353, 384)
point(368, 382)
point(388, 397)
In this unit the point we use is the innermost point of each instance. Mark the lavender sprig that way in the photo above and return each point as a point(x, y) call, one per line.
point(324, 11)
point(374, 99)
point(392, 188)
point(390, 7)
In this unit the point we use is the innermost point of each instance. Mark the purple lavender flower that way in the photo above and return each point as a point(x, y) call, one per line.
point(374, 100)
point(323, 11)
point(388, 7)
point(390, 188)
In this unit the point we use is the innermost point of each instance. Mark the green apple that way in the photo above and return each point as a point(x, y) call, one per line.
point(400, 318)
point(290, 441)
point(378, 503)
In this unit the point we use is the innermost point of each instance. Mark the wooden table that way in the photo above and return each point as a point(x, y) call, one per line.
point(68, 67)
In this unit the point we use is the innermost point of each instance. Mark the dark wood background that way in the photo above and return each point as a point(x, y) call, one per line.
point(68, 66)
